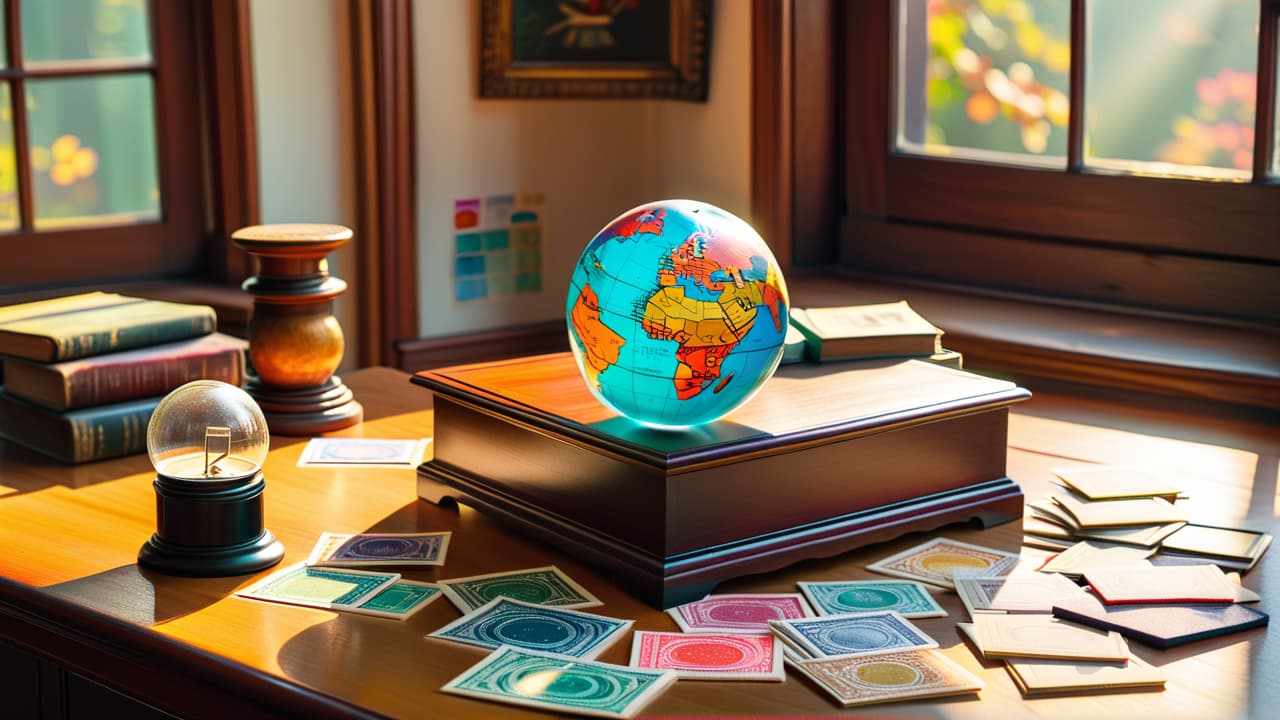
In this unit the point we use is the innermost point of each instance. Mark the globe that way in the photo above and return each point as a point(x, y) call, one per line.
point(677, 313)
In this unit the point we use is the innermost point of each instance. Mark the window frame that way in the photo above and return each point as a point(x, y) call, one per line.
point(1174, 245)
point(206, 163)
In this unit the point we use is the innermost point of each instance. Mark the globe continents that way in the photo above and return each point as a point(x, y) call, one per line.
point(677, 313)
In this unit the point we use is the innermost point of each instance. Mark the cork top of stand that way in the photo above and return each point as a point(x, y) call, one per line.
point(291, 238)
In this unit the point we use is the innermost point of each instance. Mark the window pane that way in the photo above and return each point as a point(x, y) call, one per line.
point(1171, 86)
point(8, 164)
point(93, 150)
point(985, 79)
point(84, 30)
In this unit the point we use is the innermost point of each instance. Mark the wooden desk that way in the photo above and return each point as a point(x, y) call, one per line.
point(71, 593)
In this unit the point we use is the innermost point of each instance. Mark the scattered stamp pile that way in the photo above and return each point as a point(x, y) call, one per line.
point(1129, 567)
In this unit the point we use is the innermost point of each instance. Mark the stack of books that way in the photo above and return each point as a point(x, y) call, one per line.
point(1116, 507)
point(82, 374)
point(850, 332)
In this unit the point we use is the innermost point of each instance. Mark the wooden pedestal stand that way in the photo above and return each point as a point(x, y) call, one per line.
point(824, 459)
point(295, 342)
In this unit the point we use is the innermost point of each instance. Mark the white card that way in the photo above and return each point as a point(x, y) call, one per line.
point(363, 452)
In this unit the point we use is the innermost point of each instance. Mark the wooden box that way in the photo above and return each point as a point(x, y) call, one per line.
point(824, 459)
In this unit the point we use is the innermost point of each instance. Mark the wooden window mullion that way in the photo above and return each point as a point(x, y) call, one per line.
point(1265, 108)
point(83, 70)
point(18, 105)
point(1075, 88)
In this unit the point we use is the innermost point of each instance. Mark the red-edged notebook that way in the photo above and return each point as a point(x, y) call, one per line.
point(1161, 584)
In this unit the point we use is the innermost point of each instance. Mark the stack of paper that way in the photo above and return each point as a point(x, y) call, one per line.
point(1123, 505)
point(1117, 482)
point(1037, 678)
point(1044, 654)
point(1042, 636)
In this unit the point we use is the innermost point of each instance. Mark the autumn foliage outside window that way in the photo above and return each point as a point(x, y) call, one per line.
point(1170, 84)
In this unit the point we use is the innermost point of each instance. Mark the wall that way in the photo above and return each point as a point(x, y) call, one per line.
point(302, 92)
point(591, 159)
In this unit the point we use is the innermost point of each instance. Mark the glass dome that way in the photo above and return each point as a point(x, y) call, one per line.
point(207, 430)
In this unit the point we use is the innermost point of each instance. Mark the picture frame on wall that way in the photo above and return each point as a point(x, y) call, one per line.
point(595, 49)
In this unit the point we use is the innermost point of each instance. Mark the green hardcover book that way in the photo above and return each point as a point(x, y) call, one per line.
point(78, 436)
point(866, 331)
point(22, 311)
point(97, 323)
point(793, 347)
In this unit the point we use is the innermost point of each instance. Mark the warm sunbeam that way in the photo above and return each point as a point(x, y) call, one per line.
point(535, 684)
point(1170, 87)
point(1220, 480)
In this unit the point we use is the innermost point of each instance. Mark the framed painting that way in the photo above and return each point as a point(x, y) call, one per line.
point(595, 48)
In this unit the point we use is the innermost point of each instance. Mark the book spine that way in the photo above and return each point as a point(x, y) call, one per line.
point(80, 435)
point(109, 431)
point(127, 337)
point(104, 384)
point(812, 342)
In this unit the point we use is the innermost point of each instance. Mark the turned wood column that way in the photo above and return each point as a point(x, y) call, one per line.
point(295, 342)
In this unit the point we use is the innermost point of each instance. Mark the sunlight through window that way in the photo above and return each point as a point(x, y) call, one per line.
point(985, 80)
point(1171, 87)
point(1220, 479)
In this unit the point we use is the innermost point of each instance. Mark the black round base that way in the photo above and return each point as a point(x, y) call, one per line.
point(211, 560)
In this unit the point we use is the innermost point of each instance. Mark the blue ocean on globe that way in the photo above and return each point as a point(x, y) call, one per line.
point(677, 313)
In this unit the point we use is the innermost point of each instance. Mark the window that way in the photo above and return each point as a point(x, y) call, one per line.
point(101, 161)
point(1120, 151)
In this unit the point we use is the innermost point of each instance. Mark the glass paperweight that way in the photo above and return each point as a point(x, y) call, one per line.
point(208, 441)
point(207, 431)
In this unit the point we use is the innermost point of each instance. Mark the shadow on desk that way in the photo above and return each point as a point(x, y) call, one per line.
point(141, 596)
point(27, 471)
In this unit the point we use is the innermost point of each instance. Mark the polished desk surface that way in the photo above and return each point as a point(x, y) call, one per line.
point(69, 537)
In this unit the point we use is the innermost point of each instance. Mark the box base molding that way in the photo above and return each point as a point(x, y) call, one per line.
point(672, 580)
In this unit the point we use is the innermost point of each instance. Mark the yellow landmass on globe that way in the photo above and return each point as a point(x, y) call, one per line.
point(706, 331)
point(671, 315)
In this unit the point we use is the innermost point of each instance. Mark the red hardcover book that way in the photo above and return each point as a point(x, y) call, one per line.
point(116, 377)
